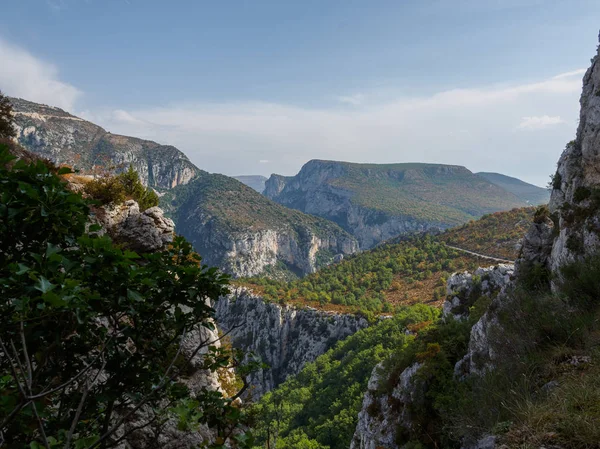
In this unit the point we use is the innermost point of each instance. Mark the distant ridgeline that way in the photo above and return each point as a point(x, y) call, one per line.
point(375, 202)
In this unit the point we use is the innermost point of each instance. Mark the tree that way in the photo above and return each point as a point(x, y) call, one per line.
point(7, 130)
point(93, 334)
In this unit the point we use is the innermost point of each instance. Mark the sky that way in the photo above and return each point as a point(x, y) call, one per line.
point(261, 87)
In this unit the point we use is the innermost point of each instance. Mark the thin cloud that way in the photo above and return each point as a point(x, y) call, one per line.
point(23, 75)
point(471, 127)
point(540, 122)
point(570, 74)
point(355, 100)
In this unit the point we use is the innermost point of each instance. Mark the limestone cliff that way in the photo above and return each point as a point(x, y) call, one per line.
point(283, 337)
point(376, 202)
point(386, 415)
point(575, 200)
point(63, 138)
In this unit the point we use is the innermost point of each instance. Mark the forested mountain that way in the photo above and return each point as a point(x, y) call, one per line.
point(533, 195)
point(245, 233)
point(375, 202)
point(405, 272)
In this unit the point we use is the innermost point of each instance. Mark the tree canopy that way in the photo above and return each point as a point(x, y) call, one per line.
point(92, 333)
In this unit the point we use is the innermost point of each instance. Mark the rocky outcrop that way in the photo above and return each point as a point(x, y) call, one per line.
point(145, 231)
point(383, 414)
point(166, 434)
point(463, 289)
point(65, 139)
point(282, 336)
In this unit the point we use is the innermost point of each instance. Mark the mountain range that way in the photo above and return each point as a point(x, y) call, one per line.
point(375, 202)
point(328, 210)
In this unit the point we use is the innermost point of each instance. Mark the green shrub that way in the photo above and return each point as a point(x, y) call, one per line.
point(542, 213)
point(105, 190)
point(581, 194)
point(116, 189)
point(134, 189)
point(555, 181)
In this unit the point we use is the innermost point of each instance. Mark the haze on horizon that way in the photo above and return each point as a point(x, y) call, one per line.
point(262, 87)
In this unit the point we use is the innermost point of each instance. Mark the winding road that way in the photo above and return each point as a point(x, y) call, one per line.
point(483, 256)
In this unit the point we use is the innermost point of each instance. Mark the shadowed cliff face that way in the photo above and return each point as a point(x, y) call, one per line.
point(375, 202)
point(65, 139)
point(283, 337)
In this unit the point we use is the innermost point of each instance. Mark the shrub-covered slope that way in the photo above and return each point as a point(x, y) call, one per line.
point(530, 193)
point(413, 270)
point(375, 202)
point(495, 235)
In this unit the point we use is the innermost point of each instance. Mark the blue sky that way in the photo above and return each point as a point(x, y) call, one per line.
point(264, 86)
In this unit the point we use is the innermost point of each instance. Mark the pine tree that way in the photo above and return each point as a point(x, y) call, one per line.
point(6, 119)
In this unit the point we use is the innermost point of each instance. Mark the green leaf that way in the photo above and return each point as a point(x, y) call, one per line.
point(134, 296)
point(54, 300)
point(22, 269)
point(52, 249)
point(44, 285)
point(95, 228)
point(64, 170)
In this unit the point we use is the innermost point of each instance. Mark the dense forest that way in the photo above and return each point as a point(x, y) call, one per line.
point(378, 280)
point(318, 408)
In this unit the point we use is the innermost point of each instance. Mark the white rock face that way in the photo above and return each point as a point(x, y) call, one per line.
point(574, 202)
point(284, 337)
point(461, 287)
point(382, 414)
point(145, 231)
point(65, 139)
point(249, 252)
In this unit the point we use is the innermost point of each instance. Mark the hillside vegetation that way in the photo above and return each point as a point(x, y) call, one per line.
point(380, 201)
point(435, 192)
point(495, 235)
point(377, 280)
point(413, 270)
point(530, 193)
point(237, 207)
